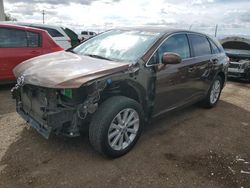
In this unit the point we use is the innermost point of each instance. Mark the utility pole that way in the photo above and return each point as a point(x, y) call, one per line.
point(190, 27)
point(43, 13)
point(2, 15)
point(216, 30)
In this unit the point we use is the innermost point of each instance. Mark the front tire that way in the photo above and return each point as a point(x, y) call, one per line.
point(116, 126)
point(214, 92)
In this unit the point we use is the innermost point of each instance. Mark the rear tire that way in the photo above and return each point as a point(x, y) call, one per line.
point(116, 126)
point(213, 94)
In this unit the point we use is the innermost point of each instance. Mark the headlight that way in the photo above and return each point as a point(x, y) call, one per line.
point(244, 64)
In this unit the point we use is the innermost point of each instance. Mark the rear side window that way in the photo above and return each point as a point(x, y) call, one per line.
point(12, 38)
point(200, 45)
point(52, 32)
point(92, 33)
point(177, 44)
point(84, 33)
point(34, 39)
point(214, 47)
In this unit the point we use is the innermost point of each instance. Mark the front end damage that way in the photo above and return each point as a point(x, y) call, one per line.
point(61, 111)
point(68, 111)
point(59, 93)
point(239, 69)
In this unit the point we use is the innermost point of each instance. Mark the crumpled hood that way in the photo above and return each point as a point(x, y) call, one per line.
point(65, 69)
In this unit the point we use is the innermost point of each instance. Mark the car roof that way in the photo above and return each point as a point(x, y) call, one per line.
point(9, 25)
point(153, 29)
point(38, 25)
point(161, 30)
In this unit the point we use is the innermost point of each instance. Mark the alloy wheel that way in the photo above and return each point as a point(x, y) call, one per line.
point(215, 92)
point(123, 129)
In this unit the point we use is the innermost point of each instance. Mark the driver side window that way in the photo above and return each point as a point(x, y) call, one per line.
point(177, 43)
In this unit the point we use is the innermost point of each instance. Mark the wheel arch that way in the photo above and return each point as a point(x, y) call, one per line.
point(125, 88)
point(223, 77)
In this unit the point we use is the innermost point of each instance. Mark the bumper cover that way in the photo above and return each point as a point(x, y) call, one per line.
point(236, 72)
point(45, 131)
point(236, 75)
point(58, 122)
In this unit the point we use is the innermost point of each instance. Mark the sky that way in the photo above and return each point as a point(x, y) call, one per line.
point(232, 16)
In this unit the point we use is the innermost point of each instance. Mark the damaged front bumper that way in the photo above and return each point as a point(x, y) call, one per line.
point(237, 70)
point(55, 122)
point(40, 108)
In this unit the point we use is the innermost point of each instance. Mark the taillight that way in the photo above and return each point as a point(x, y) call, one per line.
point(57, 48)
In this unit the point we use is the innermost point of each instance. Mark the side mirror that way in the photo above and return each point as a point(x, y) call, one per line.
point(171, 58)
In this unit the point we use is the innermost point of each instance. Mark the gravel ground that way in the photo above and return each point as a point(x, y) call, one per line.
point(193, 147)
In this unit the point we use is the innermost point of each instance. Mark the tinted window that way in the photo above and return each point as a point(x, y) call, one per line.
point(215, 49)
point(200, 45)
point(12, 38)
point(92, 33)
point(33, 39)
point(52, 32)
point(84, 33)
point(178, 44)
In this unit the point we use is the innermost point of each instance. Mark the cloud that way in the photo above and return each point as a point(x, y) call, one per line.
point(60, 2)
point(101, 14)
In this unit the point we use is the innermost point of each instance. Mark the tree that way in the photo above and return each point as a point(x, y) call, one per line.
point(8, 17)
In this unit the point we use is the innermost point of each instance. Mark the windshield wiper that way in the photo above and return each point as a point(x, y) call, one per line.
point(98, 56)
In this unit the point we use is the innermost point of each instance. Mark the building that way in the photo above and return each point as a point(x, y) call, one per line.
point(2, 15)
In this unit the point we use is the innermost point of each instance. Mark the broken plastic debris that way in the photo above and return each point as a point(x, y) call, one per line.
point(244, 172)
point(240, 160)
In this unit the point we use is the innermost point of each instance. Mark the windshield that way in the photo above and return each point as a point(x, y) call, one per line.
point(118, 45)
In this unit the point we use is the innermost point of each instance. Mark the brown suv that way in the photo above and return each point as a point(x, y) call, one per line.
point(113, 83)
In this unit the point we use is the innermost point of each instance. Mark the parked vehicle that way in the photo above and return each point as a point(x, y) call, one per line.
point(86, 35)
point(112, 83)
point(238, 50)
point(56, 32)
point(73, 36)
point(19, 43)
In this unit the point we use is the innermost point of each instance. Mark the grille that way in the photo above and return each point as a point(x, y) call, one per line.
point(33, 98)
point(232, 65)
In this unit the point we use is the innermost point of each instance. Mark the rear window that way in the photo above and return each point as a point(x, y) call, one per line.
point(12, 38)
point(84, 33)
point(91, 33)
point(52, 32)
point(200, 45)
point(214, 47)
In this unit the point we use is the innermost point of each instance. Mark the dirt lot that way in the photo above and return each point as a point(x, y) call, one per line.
point(193, 147)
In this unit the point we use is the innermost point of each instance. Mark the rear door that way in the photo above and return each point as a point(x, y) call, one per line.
point(201, 66)
point(16, 46)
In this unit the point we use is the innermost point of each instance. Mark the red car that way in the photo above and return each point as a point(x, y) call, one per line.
point(19, 43)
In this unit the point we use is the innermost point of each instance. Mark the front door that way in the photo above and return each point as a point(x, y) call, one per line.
point(174, 82)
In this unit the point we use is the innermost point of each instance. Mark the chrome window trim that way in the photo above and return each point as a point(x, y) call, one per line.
point(183, 32)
